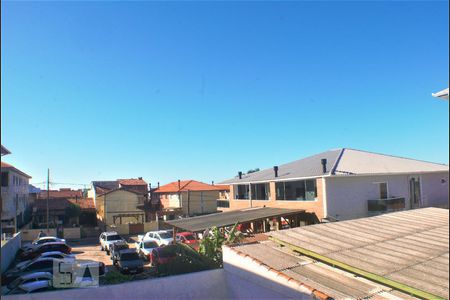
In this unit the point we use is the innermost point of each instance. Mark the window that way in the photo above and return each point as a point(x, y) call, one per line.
point(303, 190)
point(260, 191)
point(5, 178)
point(383, 190)
point(242, 191)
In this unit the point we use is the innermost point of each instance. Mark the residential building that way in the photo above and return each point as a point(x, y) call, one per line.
point(344, 184)
point(59, 202)
point(16, 207)
point(188, 198)
point(121, 201)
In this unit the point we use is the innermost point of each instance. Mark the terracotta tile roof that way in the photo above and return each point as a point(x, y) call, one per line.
point(132, 181)
point(190, 185)
point(85, 204)
point(12, 168)
point(62, 193)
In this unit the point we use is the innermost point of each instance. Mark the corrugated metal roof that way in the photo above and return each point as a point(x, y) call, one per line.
point(342, 161)
point(410, 247)
point(230, 218)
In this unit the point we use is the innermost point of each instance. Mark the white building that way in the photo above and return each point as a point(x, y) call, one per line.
point(344, 184)
point(14, 194)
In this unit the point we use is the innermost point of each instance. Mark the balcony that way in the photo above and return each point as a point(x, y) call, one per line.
point(381, 206)
point(223, 204)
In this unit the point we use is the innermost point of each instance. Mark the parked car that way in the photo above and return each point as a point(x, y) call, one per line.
point(40, 241)
point(47, 247)
point(51, 254)
point(163, 237)
point(145, 248)
point(129, 261)
point(32, 277)
point(108, 238)
point(38, 265)
point(32, 287)
point(163, 255)
point(115, 248)
point(188, 238)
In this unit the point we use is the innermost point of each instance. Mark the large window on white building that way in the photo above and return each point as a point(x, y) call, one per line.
point(302, 190)
point(260, 191)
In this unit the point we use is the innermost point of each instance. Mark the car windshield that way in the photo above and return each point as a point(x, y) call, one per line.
point(166, 235)
point(129, 256)
point(150, 245)
point(113, 237)
point(189, 237)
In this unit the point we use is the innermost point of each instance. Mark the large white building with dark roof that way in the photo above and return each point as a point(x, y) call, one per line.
point(344, 184)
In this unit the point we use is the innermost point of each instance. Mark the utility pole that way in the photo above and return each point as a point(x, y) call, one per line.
point(48, 196)
point(188, 200)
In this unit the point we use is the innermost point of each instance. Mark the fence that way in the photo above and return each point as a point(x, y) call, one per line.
point(9, 250)
point(127, 229)
point(68, 233)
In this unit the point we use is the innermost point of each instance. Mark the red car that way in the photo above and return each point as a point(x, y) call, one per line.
point(163, 255)
point(35, 252)
point(189, 239)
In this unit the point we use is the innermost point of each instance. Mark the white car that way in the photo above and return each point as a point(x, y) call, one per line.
point(51, 254)
point(163, 237)
point(144, 248)
point(38, 276)
point(108, 238)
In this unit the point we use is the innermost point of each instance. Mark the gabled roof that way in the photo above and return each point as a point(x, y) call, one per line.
point(120, 189)
point(442, 94)
point(132, 181)
point(189, 185)
point(6, 166)
point(62, 193)
point(340, 162)
point(5, 151)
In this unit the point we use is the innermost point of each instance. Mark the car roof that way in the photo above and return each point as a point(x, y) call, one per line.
point(110, 233)
point(52, 243)
point(132, 250)
point(159, 231)
point(51, 253)
point(185, 233)
point(47, 237)
point(37, 274)
point(34, 285)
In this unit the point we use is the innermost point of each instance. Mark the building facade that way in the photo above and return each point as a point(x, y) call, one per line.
point(16, 206)
point(188, 198)
point(344, 184)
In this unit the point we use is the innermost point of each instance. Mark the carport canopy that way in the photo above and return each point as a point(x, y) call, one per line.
point(229, 218)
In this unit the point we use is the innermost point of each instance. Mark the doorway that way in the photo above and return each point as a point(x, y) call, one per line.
point(415, 192)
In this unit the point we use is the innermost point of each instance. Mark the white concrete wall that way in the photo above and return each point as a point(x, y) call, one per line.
point(9, 250)
point(347, 195)
point(9, 195)
point(435, 190)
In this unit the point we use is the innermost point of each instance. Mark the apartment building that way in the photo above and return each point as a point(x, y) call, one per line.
point(344, 184)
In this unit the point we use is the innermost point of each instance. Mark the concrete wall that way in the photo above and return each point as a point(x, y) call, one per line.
point(200, 202)
point(435, 190)
point(29, 235)
point(124, 229)
point(119, 202)
point(72, 233)
point(346, 196)
point(9, 250)
point(315, 207)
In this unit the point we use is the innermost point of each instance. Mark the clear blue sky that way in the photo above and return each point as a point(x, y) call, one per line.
point(201, 90)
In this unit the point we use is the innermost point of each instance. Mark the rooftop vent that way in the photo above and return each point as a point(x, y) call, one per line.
point(275, 170)
point(324, 165)
point(240, 175)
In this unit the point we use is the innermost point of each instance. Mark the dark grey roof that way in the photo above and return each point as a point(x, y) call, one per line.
point(109, 185)
point(307, 167)
point(230, 218)
point(342, 162)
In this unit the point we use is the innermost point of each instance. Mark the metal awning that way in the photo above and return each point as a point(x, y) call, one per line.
point(229, 218)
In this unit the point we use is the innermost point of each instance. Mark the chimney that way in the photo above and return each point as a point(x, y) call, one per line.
point(212, 182)
point(179, 184)
point(140, 178)
point(324, 165)
point(158, 184)
point(240, 174)
point(275, 170)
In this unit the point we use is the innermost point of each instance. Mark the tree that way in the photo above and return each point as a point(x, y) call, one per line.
point(73, 211)
point(252, 171)
point(211, 244)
